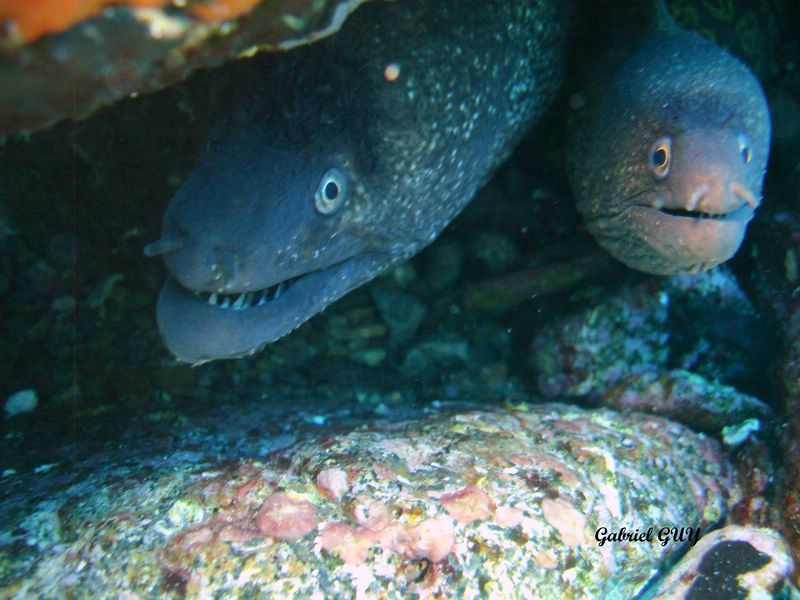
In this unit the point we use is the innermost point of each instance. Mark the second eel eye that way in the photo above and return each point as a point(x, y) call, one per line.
point(744, 148)
point(660, 157)
point(331, 192)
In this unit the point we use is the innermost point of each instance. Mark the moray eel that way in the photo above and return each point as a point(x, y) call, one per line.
point(667, 152)
point(367, 146)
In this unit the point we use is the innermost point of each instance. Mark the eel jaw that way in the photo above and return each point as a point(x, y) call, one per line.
point(667, 241)
point(201, 326)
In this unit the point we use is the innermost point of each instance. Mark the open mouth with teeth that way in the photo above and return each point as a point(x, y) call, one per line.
point(242, 301)
point(199, 326)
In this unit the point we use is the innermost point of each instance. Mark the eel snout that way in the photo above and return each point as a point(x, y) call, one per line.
point(704, 174)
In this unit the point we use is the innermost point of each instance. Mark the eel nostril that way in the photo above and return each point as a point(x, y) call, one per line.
point(745, 194)
point(168, 243)
point(697, 196)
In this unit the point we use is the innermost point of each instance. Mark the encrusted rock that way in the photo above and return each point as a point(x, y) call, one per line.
point(686, 397)
point(402, 312)
point(454, 505)
point(733, 562)
point(717, 332)
point(588, 352)
point(701, 323)
point(90, 57)
point(494, 250)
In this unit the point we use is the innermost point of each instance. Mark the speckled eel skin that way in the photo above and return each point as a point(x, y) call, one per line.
point(368, 145)
point(668, 148)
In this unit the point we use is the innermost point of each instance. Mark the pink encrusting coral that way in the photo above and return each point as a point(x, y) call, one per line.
point(566, 519)
point(285, 518)
point(350, 543)
point(468, 504)
point(332, 483)
point(433, 540)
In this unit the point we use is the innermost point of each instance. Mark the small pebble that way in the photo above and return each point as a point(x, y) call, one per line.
point(23, 401)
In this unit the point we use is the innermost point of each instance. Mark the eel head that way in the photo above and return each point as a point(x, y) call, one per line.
point(698, 192)
point(256, 241)
point(671, 165)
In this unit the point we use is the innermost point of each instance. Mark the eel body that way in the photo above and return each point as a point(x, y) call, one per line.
point(667, 150)
point(365, 146)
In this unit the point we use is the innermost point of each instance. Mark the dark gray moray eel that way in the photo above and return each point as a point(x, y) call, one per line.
point(667, 149)
point(369, 144)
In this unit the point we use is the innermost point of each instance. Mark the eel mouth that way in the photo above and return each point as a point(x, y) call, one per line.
point(739, 204)
point(742, 213)
point(666, 241)
point(199, 326)
point(245, 300)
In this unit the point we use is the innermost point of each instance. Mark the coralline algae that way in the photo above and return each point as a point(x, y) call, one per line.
point(488, 502)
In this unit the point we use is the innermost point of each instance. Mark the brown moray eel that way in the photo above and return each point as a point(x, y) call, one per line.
point(667, 151)
point(368, 145)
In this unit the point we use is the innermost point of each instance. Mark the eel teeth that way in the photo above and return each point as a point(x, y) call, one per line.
point(239, 304)
point(245, 300)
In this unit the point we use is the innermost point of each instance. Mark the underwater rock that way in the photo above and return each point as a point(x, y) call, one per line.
point(402, 312)
point(453, 505)
point(775, 287)
point(703, 323)
point(357, 333)
point(510, 290)
point(789, 496)
point(588, 352)
point(21, 402)
point(41, 277)
point(755, 467)
point(435, 352)
point(494, 250)
point(716, 331)
point(487, 381)
point(443, 264)
point(732, 562)
point(110, 49)
point(688, 398)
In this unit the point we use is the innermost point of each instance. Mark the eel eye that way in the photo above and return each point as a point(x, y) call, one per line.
point(744, 149)
point(331, 192)
point(660, 156)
